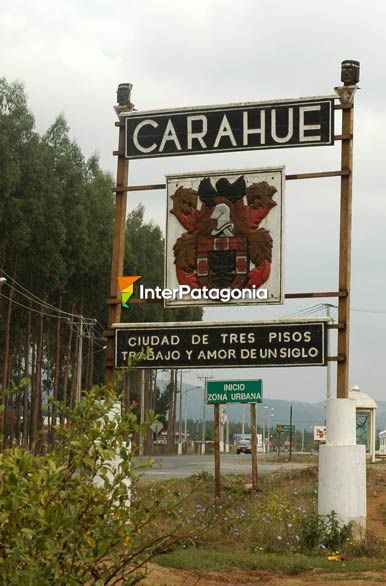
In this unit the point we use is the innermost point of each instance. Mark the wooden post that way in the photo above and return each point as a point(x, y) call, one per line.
point(217, 477)
point(119, 228)
point(142, 412)
point(254, 446)
point(346, 95)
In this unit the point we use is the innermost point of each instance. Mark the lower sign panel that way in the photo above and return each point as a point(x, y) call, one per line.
point(219, 345)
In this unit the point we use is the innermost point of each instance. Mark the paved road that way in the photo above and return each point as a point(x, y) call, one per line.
point(183, 466)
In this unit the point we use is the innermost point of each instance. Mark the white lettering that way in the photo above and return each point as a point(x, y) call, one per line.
point(304, 127)
point(137, 145)
point(247, 131)
point(196, 135)
point(224, 130)
point(262, 293)
point(169, 134)
point(184, 290)
point(288, 136)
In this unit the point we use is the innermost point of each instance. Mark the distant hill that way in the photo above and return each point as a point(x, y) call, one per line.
point(304, 414)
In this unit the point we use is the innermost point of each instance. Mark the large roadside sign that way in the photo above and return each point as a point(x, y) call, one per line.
point(234, 391)
point(214, 345)
point(231, 127)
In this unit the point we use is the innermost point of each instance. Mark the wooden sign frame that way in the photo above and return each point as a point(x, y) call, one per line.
point(344, 103)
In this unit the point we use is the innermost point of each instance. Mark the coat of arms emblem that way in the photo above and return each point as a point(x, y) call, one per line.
point(224, 232)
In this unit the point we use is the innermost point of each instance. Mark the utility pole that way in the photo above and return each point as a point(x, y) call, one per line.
point(180, 419)
point(186, 421)
point(78, 392)
point(290, 435)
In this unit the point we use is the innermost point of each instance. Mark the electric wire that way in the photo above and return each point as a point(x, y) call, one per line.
point(37, 300)
point(33, 309)
point(72, 325)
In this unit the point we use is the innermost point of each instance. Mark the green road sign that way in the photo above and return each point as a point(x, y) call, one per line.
point(234, 391)
point(282, 428)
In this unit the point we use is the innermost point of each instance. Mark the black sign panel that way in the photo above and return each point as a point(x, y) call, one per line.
point(215, 345)
point(235, 127)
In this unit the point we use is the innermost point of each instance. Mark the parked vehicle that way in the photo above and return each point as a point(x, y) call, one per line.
point(243, 446)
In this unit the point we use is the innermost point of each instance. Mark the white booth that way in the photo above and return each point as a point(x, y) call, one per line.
point(365, 417)
point(382, 442)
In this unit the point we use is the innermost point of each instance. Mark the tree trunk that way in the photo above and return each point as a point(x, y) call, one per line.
point(18, 396)
point(26, 375)
point(74, 373)
point(67, 367)
point(33, 369)
point(171, 409)
point(174, 407)
point(57, 371)
point(90, 359)
point(37, 393)
point(6, 369)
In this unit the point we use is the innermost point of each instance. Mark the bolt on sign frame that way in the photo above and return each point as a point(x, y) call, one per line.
point(343, 101)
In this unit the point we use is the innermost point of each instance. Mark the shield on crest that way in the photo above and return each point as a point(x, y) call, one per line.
point(222, 263)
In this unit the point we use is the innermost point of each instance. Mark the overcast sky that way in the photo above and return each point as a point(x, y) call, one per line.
point(72, 54)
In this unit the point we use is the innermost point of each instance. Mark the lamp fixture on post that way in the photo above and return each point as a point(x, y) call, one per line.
point(350, 72)
point(124, 94)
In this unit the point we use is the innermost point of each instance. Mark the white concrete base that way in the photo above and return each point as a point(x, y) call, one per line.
point(340, 422)
point(342, 484)
point(342, 467)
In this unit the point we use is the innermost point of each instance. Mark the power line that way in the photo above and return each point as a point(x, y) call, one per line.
point(32, 309)
point(37, 300)
point(48, 306)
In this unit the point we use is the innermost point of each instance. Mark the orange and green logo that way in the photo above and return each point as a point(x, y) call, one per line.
point(126, 287)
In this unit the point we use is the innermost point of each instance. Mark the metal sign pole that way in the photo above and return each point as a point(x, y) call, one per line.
point(254, 446)
point(217, 477)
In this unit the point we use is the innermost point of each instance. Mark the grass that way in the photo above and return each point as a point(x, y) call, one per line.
point(260, 531)
point(211, 560)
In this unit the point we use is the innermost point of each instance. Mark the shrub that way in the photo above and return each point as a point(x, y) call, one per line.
point(280, 526)
point(65, 517)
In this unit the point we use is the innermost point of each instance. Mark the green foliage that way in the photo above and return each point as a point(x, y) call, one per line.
point(56, 217)
point(326, 531)
point(66, 517)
